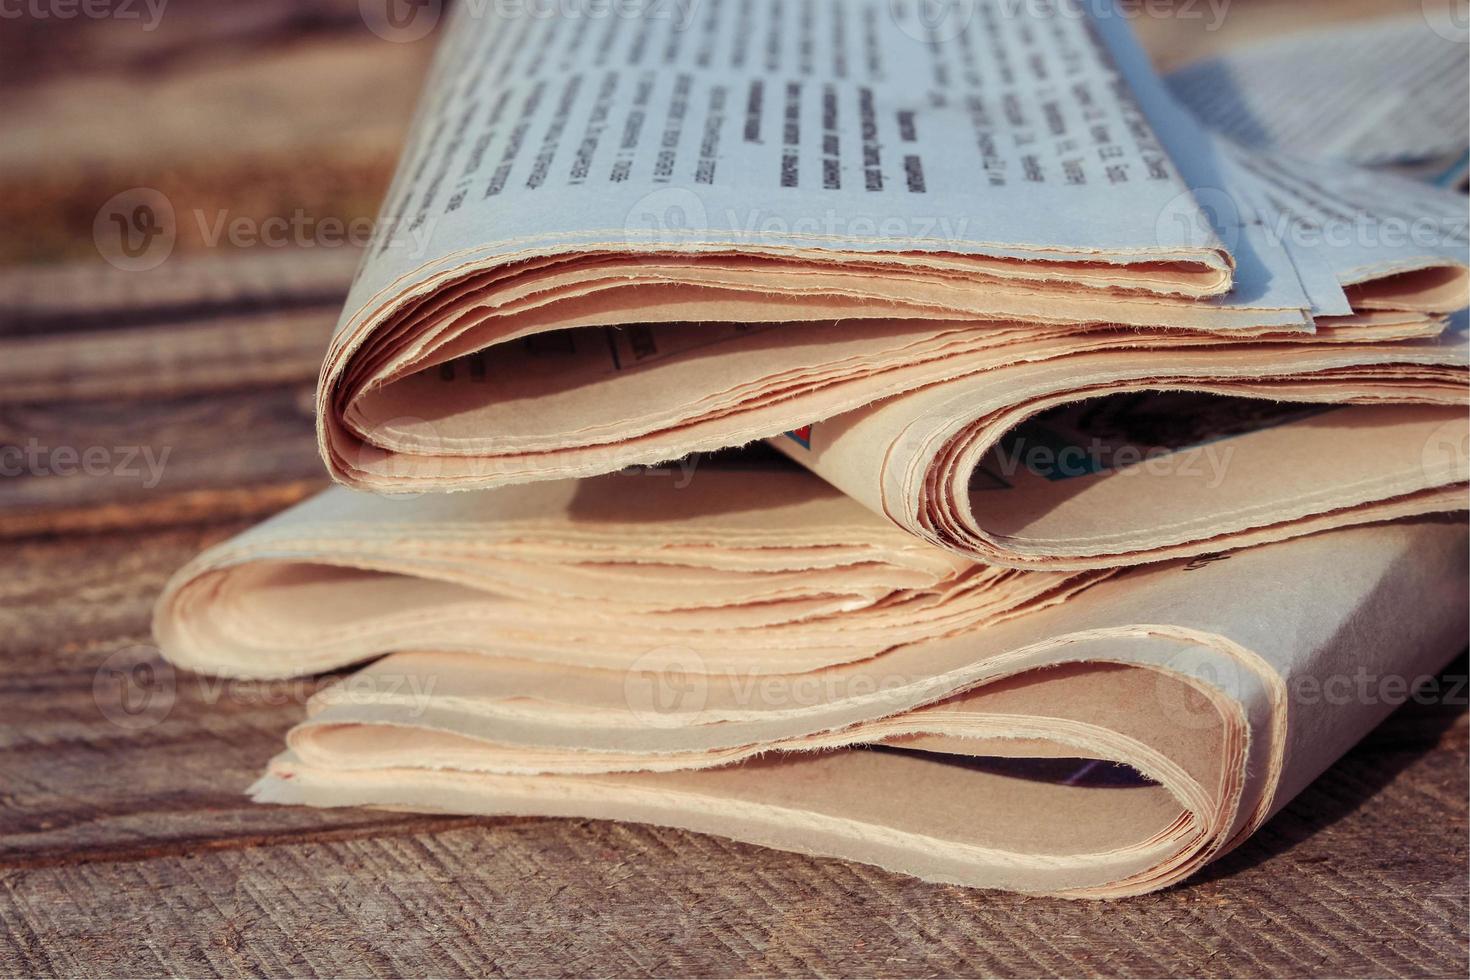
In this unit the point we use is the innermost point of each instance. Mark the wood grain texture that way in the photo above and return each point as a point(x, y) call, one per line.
point(182, 393)
point(95, 465)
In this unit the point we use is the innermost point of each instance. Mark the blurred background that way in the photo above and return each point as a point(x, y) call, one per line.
point(270, 130)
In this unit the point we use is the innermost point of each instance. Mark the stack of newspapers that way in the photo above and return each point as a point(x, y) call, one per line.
point(1103, 476)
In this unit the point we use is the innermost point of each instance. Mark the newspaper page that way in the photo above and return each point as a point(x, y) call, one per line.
point(1159, 702)
point(755, 166)
point(1034, 464)
point(1102, 459)
point(1375, 93)
point(1369, 228)
point(857, 124)
point(728, 306)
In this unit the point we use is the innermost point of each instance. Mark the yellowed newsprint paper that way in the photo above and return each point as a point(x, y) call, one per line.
point(746, 652)
point(935, 250)
point(616, 240)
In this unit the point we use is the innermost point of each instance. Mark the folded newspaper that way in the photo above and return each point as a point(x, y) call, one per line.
point(746, 652)
point(614, 241)
point(1057, 352)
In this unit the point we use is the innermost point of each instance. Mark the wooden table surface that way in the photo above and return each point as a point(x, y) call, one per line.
point(127, 846)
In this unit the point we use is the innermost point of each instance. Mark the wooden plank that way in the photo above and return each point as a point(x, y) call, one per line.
point(97, 765)
point(178, 394)
point(88, 466)
point(287, 113)
point(92, 296)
